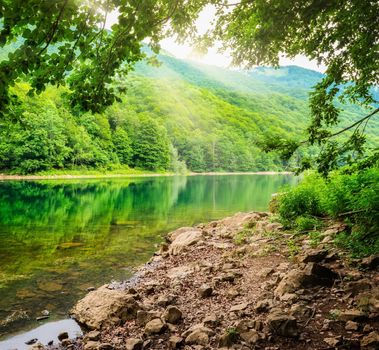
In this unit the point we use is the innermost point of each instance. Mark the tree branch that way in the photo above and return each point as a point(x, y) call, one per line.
point(356, 123)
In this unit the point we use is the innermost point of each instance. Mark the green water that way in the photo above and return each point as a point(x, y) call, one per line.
point(59, 237)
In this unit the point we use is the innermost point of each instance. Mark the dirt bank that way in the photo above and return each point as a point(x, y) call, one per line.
point(238, 283)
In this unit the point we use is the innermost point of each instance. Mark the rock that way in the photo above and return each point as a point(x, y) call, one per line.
point(283, 324)
point(371, 263)
point(239, 307)
point(205, 291)
point(251, 337)
point(198, 327)
point(180, 271)
point(63, 335)
point(31, 341)
point(145, 316)
point(352, 315)
point(274, 226)
point(91, 345)
point(37, 346)
point(49, 286)
point(232, 293)
point(165, 300)
point(197, 337)
point(103, 307)
point(357, 287)
point(263, 305)
point(155, 326)
point(318, 275)
point(175, 342)
point(351, 326)
point(45, 312)
point(367, 328)
point(133, 344)
point(314, 255)
point(93, 335)
point(173, 315)
point(370, 341)
point(221, 245)
point(67, 342)
point(300, 310)
point(184, 239)
point(211, 321)
point(174, 234)
point(369, 301)
point(312, 275)
point(266, 272)
point(333, 342)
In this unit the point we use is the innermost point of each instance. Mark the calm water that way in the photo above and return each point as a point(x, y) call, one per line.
point(57, 238)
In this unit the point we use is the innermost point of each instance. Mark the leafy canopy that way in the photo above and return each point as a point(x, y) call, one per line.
point(65, 41)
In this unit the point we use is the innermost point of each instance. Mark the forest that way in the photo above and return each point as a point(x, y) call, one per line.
point(215, 123)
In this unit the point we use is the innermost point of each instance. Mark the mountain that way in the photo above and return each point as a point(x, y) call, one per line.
point(179, 114)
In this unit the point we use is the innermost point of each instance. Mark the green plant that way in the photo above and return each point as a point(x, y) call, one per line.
point(242, 236)
point(315, 238)
point(293, 248)
point(333, 314)
point(306, 223)
point(232, 335)
point(351, 195)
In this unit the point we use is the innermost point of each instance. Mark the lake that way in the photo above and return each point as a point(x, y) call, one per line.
point(60, 237)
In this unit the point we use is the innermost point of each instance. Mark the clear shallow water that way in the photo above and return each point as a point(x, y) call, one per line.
point(59, 237)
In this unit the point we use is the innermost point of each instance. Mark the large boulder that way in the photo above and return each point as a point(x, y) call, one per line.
point(184, 239)
point(311, 276)
point(105, 306)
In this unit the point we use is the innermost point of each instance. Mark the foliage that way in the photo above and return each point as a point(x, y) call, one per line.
point(150, 145)
point(207, 119)
point(353, 198)
point(301, 201)
point(122, 146)
point(306, 223)
point(66, 42)
point(341, 35)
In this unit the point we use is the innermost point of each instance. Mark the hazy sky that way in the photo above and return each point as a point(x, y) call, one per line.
point(213, 57)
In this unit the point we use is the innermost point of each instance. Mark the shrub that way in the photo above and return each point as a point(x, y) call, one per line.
point(302, 200)
point(352, 197)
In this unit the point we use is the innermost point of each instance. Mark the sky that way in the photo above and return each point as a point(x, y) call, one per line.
point(214, 58)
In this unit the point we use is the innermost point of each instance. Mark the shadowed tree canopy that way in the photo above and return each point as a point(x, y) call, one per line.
point(65, 42)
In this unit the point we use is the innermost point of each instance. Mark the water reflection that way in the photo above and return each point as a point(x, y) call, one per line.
point(57, 238)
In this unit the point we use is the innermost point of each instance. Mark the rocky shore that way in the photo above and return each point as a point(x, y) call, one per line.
point(237, 283)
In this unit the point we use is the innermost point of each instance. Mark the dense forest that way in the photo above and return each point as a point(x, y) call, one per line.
point(176, 117)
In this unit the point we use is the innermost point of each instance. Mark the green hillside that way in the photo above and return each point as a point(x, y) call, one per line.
point(176, 116)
